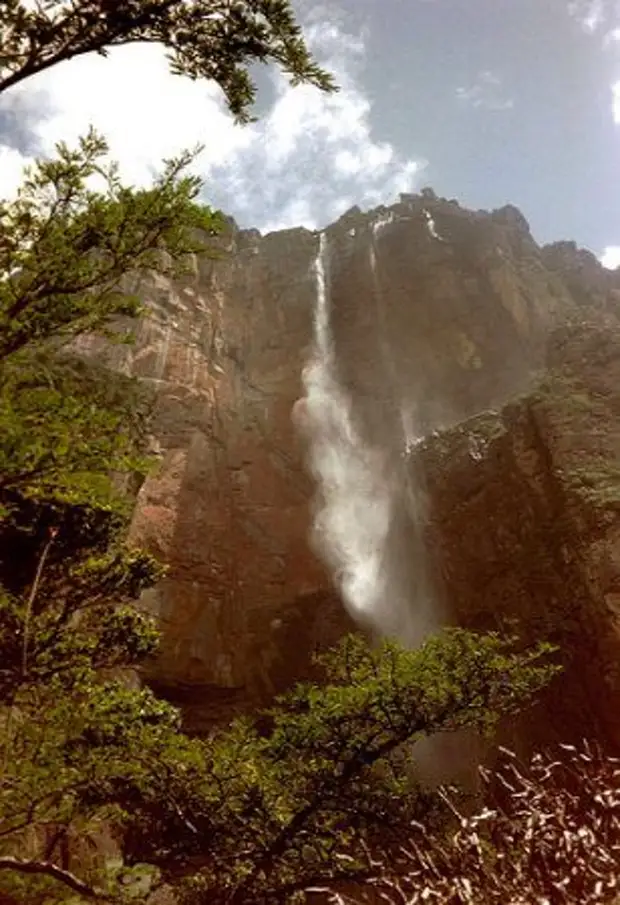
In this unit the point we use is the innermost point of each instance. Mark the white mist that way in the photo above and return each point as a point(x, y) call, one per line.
point(359, 527)
point(354, 497)
point(368, 516)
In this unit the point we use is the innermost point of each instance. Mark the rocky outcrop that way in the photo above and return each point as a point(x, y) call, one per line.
point(524, 528)
point(437, 313)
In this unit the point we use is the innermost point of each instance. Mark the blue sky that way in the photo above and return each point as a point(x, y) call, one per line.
point(507, 100)
point(488, 101)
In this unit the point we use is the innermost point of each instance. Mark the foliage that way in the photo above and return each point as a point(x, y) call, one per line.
point(71, 244)
point(63, 422)
point(273, 807)
point(210, 39)
point(65, 245)
point(73, 724)
point(72, 435)
point(67, 252)
point(261, 810)
point(548, 833)
point(77, 614)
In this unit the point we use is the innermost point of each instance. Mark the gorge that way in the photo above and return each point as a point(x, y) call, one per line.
point(377, 389)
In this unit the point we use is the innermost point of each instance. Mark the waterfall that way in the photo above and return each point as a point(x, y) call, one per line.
point(354, 488)
point(409, 436)
point(414, 611)
point(368, 523)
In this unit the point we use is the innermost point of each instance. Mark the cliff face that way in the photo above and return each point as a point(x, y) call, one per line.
point(524, 528)
point(437, 314)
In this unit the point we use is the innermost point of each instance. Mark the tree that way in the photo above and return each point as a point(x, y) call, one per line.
point(72, 246)
point(210, 39)
point(72, 435)
point(301, 796)
point(67, 253)
point(260, 811)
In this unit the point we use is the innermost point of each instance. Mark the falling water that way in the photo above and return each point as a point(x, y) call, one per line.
point(355, 491)
point(362, 528)
point(411, 603)
point(409, 435)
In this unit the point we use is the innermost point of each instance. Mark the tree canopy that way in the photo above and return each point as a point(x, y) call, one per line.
point(205, 39)
point(257, 812)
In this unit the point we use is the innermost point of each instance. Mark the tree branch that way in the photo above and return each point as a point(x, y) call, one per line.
point(31, 598)
point(46, 868)
point(115, 33)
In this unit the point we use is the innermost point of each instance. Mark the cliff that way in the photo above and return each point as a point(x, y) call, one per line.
point(438, 313)
point(523, 529)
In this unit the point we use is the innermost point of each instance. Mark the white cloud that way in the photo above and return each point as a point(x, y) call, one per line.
point(308, 158)
point(12, 165)
point(615, 101)
point(598, 18)
point(485, 92)
point(610, 257)
point(590, 14)
point(612, 37)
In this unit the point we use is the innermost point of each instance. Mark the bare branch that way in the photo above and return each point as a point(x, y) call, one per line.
point(46, 868)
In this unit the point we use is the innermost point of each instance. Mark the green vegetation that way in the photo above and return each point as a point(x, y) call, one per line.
point(205, 39)
point(256, 812)
point(67, 253)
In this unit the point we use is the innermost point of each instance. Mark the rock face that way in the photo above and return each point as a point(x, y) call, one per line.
point(437, 314)
point(524, 528)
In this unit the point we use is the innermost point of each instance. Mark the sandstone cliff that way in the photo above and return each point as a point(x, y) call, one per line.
point(438, 313)
point(523, 527)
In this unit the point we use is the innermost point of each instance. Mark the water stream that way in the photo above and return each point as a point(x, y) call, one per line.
point(353, 503)
point(369, 521)
point(359, 511)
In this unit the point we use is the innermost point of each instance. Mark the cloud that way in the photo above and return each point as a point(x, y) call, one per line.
point(600, 19)
point(590, 14)
point(610, 257)
point(485, 92)
point(20, 110)
point(11, 170)
point(309, 158)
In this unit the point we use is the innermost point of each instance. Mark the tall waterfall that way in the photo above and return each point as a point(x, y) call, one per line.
point(354, 493)
point(368, 524)
point(367, 520)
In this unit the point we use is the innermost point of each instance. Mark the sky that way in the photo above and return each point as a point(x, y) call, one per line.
point(487, 101)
